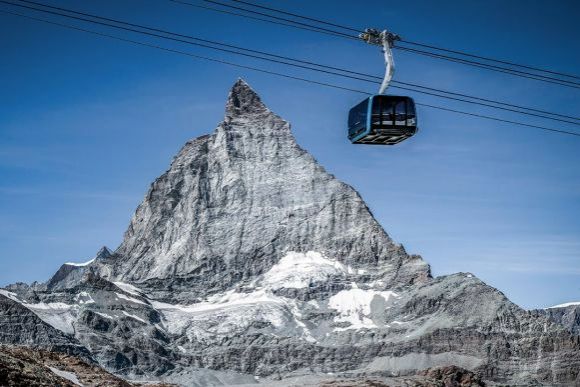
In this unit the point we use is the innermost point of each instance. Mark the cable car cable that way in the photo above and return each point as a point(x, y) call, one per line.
point(182, 52)
point(409, 41)
point(538, 77)
point(185, 36)
point(357, 30)
point(281, 62)
point(577, 134)
point(252, 17)
point(307, 62)
point(488, 59)
point(278, 18)
point(517, 73)
point(485, 100)
point(498, 119)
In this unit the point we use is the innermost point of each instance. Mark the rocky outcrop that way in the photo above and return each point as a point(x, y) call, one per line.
point(70, 274)
point(450, 376)
point(24, 367)
point(20, 326)
point(567, 315)
point(247, 261)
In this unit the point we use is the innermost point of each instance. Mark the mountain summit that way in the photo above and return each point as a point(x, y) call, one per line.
point(248, 263)
point(235, 202)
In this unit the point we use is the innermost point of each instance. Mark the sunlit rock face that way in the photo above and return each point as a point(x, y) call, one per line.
point(235, 202)
point(247, 262)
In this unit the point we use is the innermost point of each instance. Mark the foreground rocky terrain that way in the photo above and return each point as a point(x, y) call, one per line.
point(248, 263)
point(22, 366)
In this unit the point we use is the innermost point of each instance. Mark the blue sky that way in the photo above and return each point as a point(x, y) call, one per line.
point(87, 123)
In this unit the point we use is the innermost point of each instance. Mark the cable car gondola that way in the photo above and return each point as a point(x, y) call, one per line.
point(382, 119)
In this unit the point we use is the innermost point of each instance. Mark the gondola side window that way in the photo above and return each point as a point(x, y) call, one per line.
point(401, 113)
point(358, 117)
point(411, 118)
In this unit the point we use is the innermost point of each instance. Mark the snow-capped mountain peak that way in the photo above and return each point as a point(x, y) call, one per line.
point(248, 262)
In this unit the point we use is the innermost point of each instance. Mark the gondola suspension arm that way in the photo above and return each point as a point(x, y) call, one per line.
point(386, 40)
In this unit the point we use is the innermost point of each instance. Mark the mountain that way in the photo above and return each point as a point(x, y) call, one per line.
point(248, 263)
point(251, 182)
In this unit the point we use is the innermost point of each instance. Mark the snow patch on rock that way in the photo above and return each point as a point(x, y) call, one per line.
point(70, 376)
point(80, 264)
point(58, 314)
point(355, 307)
point(10, 295)
point(299, 270)
point(131, 289)
point(134, 317)
point(567, 304)
point(232, 313)
point(130, 299)
point(84, 298)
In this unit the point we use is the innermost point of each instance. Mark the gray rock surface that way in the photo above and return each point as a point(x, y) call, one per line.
point(20, 326)
point(248, 262)
point(70, 274)
point(567, 316)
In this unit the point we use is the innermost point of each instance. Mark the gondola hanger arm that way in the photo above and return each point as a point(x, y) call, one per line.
point(386, 40)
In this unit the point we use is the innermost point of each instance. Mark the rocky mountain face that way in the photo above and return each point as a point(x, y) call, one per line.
point(21, 326)
point(567, 315)
point(70, 274)
point(235, 202)
point(248, 263)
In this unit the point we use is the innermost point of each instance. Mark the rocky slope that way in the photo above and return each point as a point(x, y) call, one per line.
point(21, 366)
point(247, 263)
point(21, 326)
point(567, 315)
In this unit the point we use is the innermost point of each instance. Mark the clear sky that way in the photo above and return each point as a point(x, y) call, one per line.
point(87, 123)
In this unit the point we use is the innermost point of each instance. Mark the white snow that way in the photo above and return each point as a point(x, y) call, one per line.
point(84, 298)
point(58, 314)
point(10, 295)
point(298, 270)
point(104, 315)
point(134, 317)
point(232, 313)
point(50, 305)
point(221, 301)
point(80, 264)
point(354, 307)
point(66, 375)
point(130, 299)
point(181, 349)
point(564, 305)
point(131, 289)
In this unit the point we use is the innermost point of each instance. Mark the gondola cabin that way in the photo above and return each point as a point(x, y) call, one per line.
point(382, 120)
